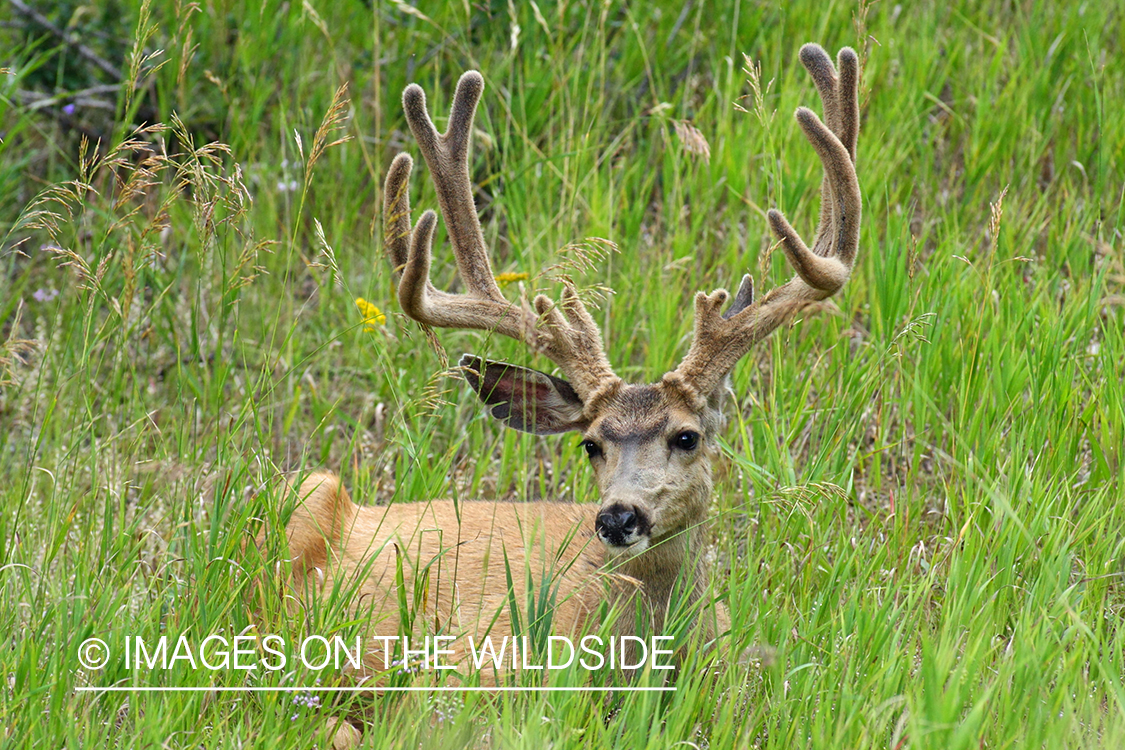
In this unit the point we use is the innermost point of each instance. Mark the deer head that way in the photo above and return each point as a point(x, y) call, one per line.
point(651, 445)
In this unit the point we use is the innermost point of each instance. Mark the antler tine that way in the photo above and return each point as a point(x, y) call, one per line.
point(396, 211)
point(577, 346)
point(841, 115)
point(722, 339)
point(447, 156)
point(570, 338)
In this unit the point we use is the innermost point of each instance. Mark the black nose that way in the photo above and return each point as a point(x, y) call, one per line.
point(617, 522)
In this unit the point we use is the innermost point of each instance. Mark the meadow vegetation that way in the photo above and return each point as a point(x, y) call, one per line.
point(919, 506)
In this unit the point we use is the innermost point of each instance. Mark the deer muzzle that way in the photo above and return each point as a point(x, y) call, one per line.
point(621, 525)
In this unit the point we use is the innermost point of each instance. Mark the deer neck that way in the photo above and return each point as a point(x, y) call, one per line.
point(670, 573)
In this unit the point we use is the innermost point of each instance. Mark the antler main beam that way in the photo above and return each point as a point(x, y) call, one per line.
point(564, 332)
point(722, 339)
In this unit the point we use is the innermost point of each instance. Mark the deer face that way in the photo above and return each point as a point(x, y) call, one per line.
point(651, 454)
point(650, 447)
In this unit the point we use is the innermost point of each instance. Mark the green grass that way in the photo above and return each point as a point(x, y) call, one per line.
point(922, 490)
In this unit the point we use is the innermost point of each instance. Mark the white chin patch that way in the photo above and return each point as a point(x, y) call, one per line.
point(628, 550)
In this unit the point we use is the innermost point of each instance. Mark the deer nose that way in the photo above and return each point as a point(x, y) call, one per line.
point(622, 520)
point(616, 522)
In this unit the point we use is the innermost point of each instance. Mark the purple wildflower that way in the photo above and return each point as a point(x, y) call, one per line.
point(308, 700)
point(404, 667)
point(45, 295)
point(304, 699)
point(446, 708)
point(69, 109)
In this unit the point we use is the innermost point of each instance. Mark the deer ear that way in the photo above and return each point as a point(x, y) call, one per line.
point(525, 399)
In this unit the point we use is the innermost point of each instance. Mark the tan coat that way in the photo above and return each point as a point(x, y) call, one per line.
point(460, 555)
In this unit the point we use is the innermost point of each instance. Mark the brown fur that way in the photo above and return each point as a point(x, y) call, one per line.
point(467, 549)
point(463, 547)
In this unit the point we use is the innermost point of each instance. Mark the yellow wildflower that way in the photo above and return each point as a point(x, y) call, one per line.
point(510, 277)
point(372, 315)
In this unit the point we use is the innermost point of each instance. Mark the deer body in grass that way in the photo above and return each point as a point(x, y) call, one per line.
point(651, 446)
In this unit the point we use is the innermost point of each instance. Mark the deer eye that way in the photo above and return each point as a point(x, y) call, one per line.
point(593, 450)
point(687, 440)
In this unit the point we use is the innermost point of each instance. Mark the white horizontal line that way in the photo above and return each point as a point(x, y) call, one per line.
point(373, 689)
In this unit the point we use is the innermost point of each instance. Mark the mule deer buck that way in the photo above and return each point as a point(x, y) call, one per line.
point(650, 446)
